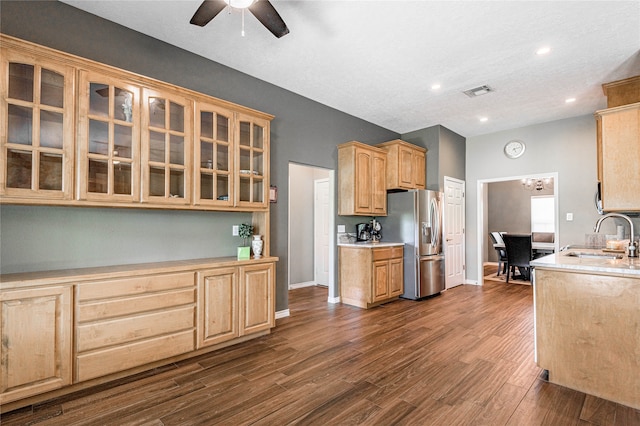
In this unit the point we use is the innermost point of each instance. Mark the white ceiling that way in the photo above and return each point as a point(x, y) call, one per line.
point(377, 60)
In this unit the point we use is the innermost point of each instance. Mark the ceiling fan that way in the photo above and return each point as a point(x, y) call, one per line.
point(261, 9)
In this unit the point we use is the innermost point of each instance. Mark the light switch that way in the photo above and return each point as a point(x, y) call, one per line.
point(235, 231)
point(341, 229)
point(569, 217)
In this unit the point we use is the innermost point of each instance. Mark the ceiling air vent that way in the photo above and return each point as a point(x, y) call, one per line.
point(477, 91)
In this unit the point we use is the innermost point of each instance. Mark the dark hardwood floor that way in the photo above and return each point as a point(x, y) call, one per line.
point(462, 358)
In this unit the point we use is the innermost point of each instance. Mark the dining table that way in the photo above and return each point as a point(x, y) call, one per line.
point(539, 247)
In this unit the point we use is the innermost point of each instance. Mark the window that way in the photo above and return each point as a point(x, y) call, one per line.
point(543, 214)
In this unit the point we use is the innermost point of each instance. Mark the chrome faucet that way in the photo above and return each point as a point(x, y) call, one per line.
point(633, 248)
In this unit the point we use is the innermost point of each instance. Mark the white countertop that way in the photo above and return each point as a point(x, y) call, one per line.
point(625, 266)
point(370, 244)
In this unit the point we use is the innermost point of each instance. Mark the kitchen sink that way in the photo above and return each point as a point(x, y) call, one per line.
point(589, 255)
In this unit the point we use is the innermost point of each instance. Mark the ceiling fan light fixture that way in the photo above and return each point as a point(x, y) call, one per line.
point(239, 4)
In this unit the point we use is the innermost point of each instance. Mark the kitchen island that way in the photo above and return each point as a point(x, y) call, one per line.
point(370, 273)
point(587, 322)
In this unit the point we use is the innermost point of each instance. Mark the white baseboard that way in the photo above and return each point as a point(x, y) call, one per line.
point(301, 285)
point(334, 299)
point(283, 314)
point(472, 282)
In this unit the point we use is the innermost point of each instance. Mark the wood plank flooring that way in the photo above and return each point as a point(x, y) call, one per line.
point(464, 357)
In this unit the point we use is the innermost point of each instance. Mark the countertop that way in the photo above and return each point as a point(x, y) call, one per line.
point(623, 267)
point(371, 245)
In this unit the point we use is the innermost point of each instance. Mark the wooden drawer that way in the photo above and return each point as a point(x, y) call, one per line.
point(132, 286)
point(386, 253)
point(122, 357)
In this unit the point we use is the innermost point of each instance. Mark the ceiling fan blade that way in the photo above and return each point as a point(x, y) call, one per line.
point(207, 11)
point(269, 17)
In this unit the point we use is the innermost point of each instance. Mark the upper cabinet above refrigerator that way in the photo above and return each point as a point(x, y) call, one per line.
point(406, 165)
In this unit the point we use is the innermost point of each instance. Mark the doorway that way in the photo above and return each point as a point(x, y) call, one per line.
point(486, 210)
point(310, 253)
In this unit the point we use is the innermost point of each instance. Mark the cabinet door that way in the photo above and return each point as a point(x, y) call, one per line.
point(380, 280)
point(257, 303)
point(379, 185)
point(36, 132)
point(36, 332)
point(396, 277)
point(166, 148)
point(364, 185)
point(405, 168)
point(252, 164)
point(217, 306)
point(108, 139)
point(620, 156)
point(214, 152)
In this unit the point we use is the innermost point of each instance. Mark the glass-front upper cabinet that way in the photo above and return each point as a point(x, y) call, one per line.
point(252, 136)
point(167, 131)
point(36, 132)
point(108, 139)
point(213, 178)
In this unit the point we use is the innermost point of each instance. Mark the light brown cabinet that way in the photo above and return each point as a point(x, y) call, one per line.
point(68, 330)
point(361, 180)
point(36, 333)
point(133, 141)
point(618, 157)
point(406, 165)
point(36, 127)
point(369, 276)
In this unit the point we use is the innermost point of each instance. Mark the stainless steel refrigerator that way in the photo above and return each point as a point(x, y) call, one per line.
point(415, 218)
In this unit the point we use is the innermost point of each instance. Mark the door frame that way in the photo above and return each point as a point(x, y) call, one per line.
point(317, 224)
point(482, 234)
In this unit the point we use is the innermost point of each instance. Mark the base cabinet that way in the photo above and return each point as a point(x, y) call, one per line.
point(36, 332)
point(370, 276)
point(98, 324)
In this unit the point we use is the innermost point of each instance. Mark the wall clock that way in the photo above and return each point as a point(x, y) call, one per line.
point(514, 149)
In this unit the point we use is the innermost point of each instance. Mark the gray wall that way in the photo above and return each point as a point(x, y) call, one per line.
point(567, 147)
point(303, 131)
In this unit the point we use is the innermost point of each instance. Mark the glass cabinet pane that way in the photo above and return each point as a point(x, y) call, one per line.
point(222, 157)
point(21, 77)
point(176, 117)
point(52, 89)
point(156, 112)
point(20, 125)
point(156, 147)
point(223, 129)
point(206, 186)
point(99, 100)
point(156, 181)
point(206, 124)
point(222, 188)
point(245, 161)
point(98, 176)
point(51, 129)
point(98, 137)
point(257, 191)
point(51, 171)
point(245, 189)
point(258, 163)
point(258, 137)
point(176, 183)
point(122, 178)
point(19, 167)
point(122, 141)
point(123, 105)
point(206, 155)
point(177, 150)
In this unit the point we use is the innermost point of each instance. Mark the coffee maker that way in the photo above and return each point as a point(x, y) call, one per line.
point(363, 232)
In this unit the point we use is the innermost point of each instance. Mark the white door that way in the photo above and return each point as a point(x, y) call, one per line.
point(454, 232)
point(321, 231)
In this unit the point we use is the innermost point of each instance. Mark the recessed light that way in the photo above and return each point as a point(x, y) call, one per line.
point(570, 100)
point(483, 119)
point(435, 87)
point(543, 50)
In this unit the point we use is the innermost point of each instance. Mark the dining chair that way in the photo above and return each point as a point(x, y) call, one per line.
point(496, 237)
point(519, 254)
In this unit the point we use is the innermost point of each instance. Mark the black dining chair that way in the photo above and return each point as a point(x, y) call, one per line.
point(496, 237)
point(519, 254)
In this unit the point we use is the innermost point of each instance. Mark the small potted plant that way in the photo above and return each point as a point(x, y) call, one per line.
point(244, 231)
